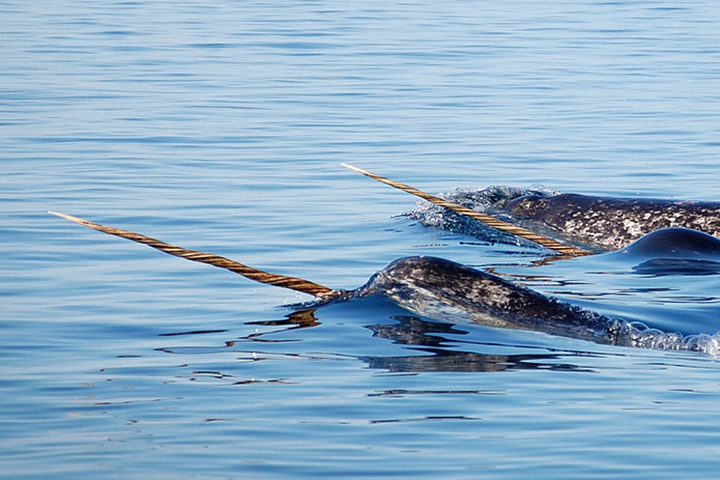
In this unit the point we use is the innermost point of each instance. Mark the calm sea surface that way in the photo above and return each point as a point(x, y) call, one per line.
point(220, 126)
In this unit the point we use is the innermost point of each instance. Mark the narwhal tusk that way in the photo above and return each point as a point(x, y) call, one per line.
point(293, 283)
point(483, 218)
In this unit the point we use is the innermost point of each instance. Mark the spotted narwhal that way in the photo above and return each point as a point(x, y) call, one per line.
point(593, 223)
point(609, 223)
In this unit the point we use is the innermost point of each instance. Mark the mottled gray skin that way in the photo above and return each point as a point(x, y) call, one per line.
point(442, 289)
point(611, 223)
point(445, 290)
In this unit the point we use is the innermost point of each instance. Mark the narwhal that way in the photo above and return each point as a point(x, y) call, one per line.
point(572, 224)
point(610, 223)
point(444, 290)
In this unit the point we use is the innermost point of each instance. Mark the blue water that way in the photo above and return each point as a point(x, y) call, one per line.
point(221, 126)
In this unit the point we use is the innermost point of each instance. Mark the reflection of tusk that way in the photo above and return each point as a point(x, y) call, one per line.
point(483, 218)
point(293, 283)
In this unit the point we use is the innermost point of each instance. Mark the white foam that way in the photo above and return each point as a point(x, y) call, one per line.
point(481, 200)
point(639, 335)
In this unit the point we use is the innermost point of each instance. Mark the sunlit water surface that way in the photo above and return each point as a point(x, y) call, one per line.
point(220, 127)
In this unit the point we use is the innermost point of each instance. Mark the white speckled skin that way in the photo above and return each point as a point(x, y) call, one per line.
point(443, 289)
point(612, 223)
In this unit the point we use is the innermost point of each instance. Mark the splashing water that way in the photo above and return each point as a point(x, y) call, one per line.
point(639, 335)
point(486, 200)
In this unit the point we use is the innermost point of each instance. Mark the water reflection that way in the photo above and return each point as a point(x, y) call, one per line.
point(436, 356)
point(293, 321)
point(431, 347)
point(432, 351)
point(661, 267)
